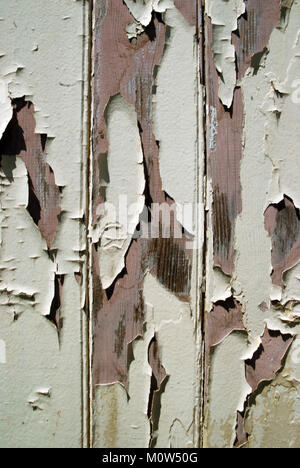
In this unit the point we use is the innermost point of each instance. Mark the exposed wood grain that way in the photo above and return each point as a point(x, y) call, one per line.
point(267, 360)
point(188, 8)
point(263, 367)
point(226, 317)
point(225, 127)
point(224, 143)
point(282, 221)
point(21, 140)
point(127, 67)
point(254, 31)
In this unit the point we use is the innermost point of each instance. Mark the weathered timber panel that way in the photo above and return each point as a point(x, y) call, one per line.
point(145, 275)
point(42, 236)
point(252, 349)
point(150, 223)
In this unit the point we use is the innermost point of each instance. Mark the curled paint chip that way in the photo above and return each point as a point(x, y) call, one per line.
point(262, 367)
point(134, 30)
point(225, 317)
point(267, 359)
point(142, 9)
point(224, 16)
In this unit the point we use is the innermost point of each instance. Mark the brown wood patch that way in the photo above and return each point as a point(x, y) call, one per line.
point(20, 139)
point(127, 67)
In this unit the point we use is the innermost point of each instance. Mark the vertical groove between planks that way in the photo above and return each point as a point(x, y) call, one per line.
point(205, 259)
point(86, 322)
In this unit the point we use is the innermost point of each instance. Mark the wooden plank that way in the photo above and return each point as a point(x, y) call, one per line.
point(152, 115)
point(42, 82)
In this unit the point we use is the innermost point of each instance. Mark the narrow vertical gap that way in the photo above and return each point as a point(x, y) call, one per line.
point(201, 225)
point(88, 237)
point(198, 376)
point(203, 83)
point(86, 167)
point(82, 206)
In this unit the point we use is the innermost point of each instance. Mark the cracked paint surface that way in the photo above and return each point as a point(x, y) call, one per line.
point(19, 139)
point(224, 16)
point(42, 237)
point(283, 225)
point(264, 266)
point(138, 75)
point(153, 381)
point(226, 149)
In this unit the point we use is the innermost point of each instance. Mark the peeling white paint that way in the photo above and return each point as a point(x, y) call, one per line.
point(221, 286)
point(224, 15)
point(175, 117)
point(123, 416)
point(170, 321)
point(175, 336)
point(39, 399)
point(268, 171)
point(38, 375)
point(270, 144)
point(5, 107)
point(33, 65)
point(124, 180)
point(142, 9)
point(274, 421)
point(134, 30)
point(228, 391)
point(19, 233)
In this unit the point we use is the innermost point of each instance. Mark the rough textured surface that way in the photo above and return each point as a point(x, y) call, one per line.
point(253, 233)
point(20, 139)
point(224, 145)
point(267, 360)
point(282, 221)
point(254, 31)
point(42, 237)
point(135, 69)
point(132, 75)
point(149, 261)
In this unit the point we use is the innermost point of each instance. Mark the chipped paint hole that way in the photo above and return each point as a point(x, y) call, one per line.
point(13, 142)
point(159, 379)
point(256, 60)
point(150, 30)
point(78, 277)
point(54, 315)
point(43, 141)
point(110, 291)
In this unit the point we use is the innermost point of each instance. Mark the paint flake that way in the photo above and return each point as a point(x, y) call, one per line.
point(263, 367)
point(20, 139)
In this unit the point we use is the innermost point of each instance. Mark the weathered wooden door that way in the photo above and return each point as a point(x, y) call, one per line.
point(150, 226)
